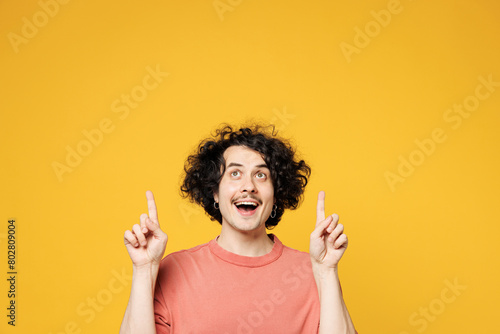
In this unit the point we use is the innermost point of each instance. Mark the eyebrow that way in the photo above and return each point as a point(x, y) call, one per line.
point(235, 164)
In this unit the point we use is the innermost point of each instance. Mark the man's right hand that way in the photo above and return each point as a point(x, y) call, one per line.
point(146, 242)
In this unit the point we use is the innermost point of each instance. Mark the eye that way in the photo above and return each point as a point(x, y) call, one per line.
point(261, 175)
point(235, 173)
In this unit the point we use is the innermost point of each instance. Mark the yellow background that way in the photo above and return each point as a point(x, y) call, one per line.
point(352, 118)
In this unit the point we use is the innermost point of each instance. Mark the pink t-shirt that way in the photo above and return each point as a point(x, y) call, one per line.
point(207, 289)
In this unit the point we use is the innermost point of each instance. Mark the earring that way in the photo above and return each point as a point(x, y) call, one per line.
point(216, 205)
point(273, 213)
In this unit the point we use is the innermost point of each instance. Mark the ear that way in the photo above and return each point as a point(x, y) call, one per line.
point(216, 197)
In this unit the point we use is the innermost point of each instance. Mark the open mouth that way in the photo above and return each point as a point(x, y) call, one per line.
point(246, 208)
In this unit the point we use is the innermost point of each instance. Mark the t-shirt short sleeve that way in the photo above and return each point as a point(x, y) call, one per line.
point(162, 318)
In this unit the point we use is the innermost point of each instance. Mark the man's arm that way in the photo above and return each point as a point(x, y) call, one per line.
point(328, 244)
point(139, 315)
point(146, 245)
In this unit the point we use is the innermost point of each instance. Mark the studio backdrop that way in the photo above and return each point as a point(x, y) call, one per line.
point(394, 104)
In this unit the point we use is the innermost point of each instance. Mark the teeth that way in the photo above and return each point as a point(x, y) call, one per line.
point(246, 203)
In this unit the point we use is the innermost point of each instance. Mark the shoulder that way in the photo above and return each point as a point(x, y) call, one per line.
point(184, 256)
point(288, 251)
point(296, 255)
point(189, 251)
point(294, 252)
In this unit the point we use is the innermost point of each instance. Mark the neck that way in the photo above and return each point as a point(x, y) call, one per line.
point(245, 243)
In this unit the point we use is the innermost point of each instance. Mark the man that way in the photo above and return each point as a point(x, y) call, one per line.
point(244, 281)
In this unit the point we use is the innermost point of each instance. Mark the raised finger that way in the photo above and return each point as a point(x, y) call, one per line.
point(320, 208)
point(144, 228)
point(153, 214)
point(139, 235)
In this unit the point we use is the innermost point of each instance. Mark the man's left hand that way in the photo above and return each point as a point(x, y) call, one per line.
point(328, 241)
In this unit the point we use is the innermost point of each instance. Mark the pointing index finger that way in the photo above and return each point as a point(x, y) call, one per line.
point(153, 214)
point(320, 208)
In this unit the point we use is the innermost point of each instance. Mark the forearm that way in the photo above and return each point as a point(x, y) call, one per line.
point(334, 317)
point(139, 315)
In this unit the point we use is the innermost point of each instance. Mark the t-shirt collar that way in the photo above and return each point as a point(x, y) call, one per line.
point(248, 261)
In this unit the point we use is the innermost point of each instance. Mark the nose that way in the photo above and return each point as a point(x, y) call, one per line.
point(248, 185)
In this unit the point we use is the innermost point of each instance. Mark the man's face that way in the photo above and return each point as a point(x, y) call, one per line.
point(246, 193)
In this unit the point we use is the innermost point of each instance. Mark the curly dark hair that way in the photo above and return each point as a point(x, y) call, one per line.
point(205, 168)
